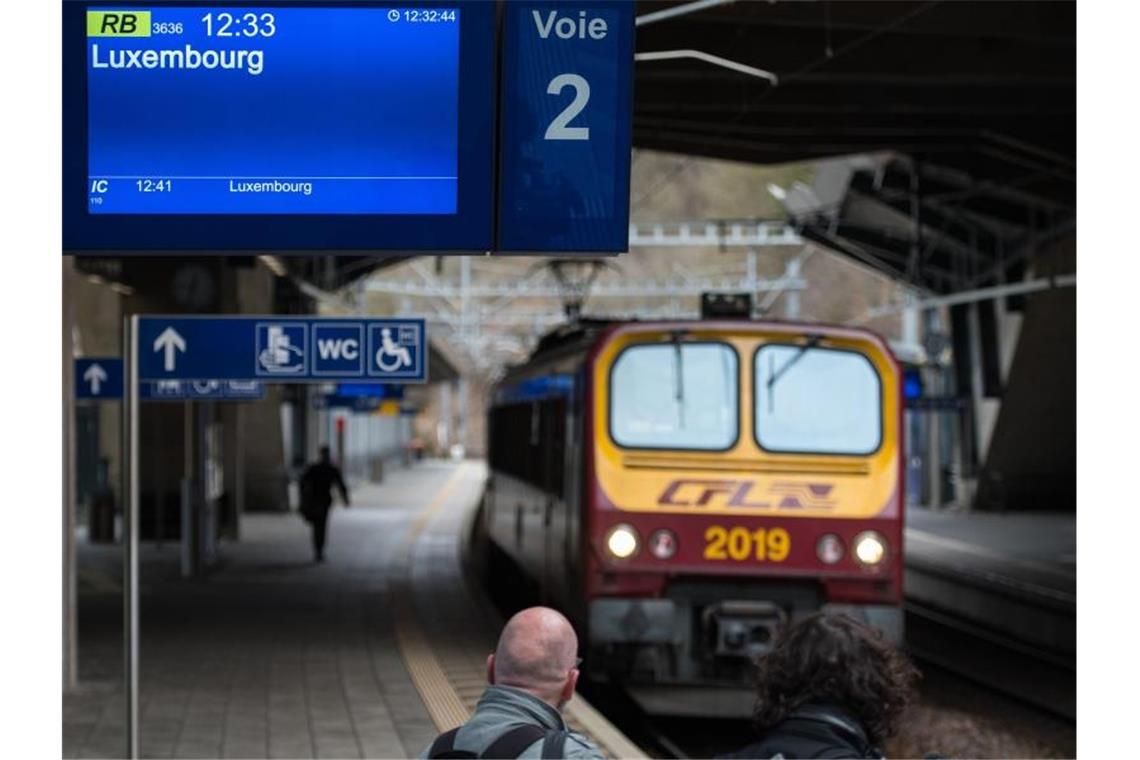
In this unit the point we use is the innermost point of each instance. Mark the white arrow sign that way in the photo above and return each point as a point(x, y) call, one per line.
point(95, 376)
point(170, 341)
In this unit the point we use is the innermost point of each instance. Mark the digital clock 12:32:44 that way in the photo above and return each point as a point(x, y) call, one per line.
point(430, 16)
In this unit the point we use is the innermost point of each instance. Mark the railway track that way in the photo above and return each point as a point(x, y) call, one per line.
point(1004, 621)
point(1012, 641)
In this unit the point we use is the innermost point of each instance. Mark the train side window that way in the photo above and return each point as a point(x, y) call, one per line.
point(812, 400)
point(675, 396)
point(527, 442)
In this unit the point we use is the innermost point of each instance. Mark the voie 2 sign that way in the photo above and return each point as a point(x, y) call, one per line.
point(565, 126)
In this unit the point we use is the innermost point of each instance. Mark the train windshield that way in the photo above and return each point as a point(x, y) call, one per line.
point(675, 396)
point(814, 400)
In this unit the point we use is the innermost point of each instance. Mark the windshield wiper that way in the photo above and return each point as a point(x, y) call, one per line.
point(811, 342)
point(678, 369)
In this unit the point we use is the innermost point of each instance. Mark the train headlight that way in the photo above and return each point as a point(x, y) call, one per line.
point(829, 548)
point(870, 548)
point(622, 541)
point(663, 543)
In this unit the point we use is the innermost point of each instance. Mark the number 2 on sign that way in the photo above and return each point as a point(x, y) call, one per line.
point(558, 129)
point(740, 544)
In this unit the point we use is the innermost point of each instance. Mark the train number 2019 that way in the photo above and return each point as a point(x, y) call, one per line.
point(740, 544)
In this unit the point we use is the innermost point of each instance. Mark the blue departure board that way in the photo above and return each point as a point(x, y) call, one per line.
point(450, 126)
point(285, 110)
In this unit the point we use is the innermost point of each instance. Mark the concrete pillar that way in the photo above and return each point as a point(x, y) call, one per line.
point(750, 275)
point(188, 555)
point(979, 423)
point(792, 295)
point(910, 319)
point(461, 423)
point(233, 467)
point(933, 381)
point(443, 426)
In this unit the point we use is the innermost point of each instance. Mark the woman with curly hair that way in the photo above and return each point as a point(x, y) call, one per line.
point(831, 687)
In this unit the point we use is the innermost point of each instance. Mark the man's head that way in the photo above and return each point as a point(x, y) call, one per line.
point(538, 653)
point(324, 454)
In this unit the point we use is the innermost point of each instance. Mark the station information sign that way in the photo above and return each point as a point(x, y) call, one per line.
point(102, 379)
point(272, 111)
point(99, 378)
point(278, 127)
point(346, 126)
point(564, 161)
point(205, 390)
point(281, 349)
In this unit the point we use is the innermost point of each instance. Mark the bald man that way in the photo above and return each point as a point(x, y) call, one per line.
point(532, 675)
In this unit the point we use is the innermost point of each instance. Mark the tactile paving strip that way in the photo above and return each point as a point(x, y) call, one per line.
point(448, 666)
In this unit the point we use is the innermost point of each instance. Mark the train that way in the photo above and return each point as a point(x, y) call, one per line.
point(682, 490)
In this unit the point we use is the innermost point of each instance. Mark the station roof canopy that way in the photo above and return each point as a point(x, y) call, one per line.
point(974, 100)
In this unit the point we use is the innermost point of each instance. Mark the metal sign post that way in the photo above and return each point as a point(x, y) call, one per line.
point(232, 358)
point(131, 536)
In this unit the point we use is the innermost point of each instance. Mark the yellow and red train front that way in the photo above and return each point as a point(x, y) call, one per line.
point(738, 476)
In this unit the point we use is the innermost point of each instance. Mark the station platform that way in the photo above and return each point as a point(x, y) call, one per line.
point(370, 654)
point(1034, 553)
point(995, 595)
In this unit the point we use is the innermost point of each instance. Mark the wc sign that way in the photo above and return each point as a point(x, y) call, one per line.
point(339, 350)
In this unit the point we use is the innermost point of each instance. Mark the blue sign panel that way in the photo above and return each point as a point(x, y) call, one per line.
point(190, 390)
point(279, 127)
point(565, 132)
point(370, 390)
point(243, 389)
point(99, 378)
point(536, 388)
point(339, 350)
point(282, 349)
point(395, 350)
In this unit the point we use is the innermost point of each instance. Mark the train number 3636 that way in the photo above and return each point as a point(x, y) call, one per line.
point(740, 544)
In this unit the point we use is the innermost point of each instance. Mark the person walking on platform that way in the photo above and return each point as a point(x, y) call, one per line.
point(532, 675)
point(317, 482)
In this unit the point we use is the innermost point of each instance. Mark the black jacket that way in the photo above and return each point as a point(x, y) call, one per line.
point(317, 483)
point(824, 731)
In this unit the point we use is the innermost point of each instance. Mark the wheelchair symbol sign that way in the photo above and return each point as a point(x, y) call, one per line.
point(395, 350)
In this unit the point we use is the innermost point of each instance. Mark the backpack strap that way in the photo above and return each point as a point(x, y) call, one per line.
point(514, 742)
point(444, 747)
point(554, 745)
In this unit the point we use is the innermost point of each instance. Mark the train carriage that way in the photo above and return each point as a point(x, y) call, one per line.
point(682, 490)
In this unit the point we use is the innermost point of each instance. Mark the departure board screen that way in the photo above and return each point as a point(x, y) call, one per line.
point(219, 110)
